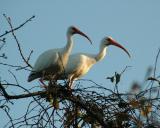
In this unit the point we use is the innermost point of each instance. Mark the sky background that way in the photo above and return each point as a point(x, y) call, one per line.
point(134, 24)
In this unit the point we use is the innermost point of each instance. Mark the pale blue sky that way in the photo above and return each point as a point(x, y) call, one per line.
point(134, 24)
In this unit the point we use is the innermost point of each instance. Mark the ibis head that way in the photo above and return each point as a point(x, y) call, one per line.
point(73, 30)
point(110, 41)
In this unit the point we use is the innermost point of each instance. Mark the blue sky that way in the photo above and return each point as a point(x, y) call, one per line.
point(134, 24)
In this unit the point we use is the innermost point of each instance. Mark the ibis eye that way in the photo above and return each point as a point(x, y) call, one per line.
point(73, 30)
point(108, 39)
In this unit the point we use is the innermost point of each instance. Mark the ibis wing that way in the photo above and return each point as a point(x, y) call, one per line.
point(46, 60)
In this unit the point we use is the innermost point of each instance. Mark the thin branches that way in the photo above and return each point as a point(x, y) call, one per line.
point(14, 29)
point(64, 94)
point(1, 46)
point(11, 97)
point(18, 44)
point(155, 65)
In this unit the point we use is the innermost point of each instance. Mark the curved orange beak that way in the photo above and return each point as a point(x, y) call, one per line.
point(113, 42)
point(77, 31)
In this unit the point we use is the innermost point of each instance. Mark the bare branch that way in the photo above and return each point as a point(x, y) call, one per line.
point(155, 65)
point(18, 44)
point(14, 29)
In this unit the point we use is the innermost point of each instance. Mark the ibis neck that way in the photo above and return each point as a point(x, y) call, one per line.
point(101, 53)
point(69, 45)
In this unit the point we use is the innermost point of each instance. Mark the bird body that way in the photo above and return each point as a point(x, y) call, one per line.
point(51, 63)
point(80, 63)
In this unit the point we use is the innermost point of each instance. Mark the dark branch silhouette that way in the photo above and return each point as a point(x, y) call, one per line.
point(14, 29)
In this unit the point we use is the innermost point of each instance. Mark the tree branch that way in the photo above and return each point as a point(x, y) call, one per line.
point(18, 44)
point(14, 29)
point(63, 93)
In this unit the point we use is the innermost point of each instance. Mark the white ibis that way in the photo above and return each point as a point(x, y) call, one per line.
point(79, 64)
point(52, 62)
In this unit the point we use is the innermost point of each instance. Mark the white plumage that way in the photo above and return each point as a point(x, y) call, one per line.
point(79, 64)
point(52, 63)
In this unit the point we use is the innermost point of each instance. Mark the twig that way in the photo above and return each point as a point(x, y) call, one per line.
point(154, 79)
point(3, 56)
point(125, 69)
point(18, 44)
point(155, 65)
point(10, 65)
point(9, 116)
point(15, 66)
point(3, 40)
point(2, 45)
point(14, 29)
point(21, 96)
point(64, 94)
point(29, 55)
